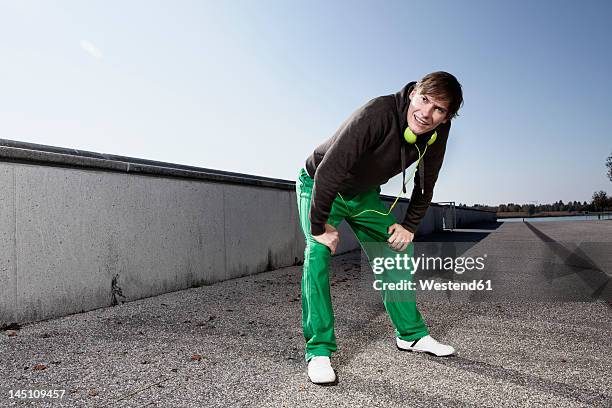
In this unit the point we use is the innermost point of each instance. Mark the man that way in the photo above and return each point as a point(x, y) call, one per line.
point(342, 179)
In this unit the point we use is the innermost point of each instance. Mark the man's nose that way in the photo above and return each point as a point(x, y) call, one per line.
point(427, 110)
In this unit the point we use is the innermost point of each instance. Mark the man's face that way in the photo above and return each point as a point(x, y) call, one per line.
point(426, 112)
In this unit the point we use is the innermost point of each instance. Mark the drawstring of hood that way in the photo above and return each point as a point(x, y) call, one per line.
point(421, 170)
point(422, 173)
point(403, 169)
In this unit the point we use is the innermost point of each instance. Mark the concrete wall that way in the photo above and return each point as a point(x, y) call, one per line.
point(467, 217)
point(82, 230)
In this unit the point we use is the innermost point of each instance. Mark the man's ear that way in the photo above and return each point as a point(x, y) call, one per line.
point(448, 117)
point(412, 93)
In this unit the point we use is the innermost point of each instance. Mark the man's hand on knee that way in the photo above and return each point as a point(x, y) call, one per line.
point(329, 238)
point(400, 237)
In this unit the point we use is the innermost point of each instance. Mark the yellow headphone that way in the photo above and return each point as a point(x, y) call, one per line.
point(412, 138)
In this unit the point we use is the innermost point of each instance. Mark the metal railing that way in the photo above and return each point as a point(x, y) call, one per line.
point(449, 215)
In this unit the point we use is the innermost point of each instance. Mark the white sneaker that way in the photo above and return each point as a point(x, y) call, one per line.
point(320, 371)
point(425, 344)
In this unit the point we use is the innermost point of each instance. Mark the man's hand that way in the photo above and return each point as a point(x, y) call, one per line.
point(329, 238)
point(400, 237)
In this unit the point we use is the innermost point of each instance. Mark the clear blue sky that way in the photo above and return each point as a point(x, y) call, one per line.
point(254, 86)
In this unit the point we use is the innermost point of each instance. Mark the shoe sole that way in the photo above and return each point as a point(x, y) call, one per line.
point(326, 384)
point(426, 352)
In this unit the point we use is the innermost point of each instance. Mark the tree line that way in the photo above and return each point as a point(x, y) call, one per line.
point(600, 201)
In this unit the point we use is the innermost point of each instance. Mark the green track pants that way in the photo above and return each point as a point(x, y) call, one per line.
point(371, 231)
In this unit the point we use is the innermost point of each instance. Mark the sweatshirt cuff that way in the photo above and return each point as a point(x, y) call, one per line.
point(317, 229)
point(410, 227)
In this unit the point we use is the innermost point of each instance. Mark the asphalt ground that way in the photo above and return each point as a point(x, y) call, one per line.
point(542, 337)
